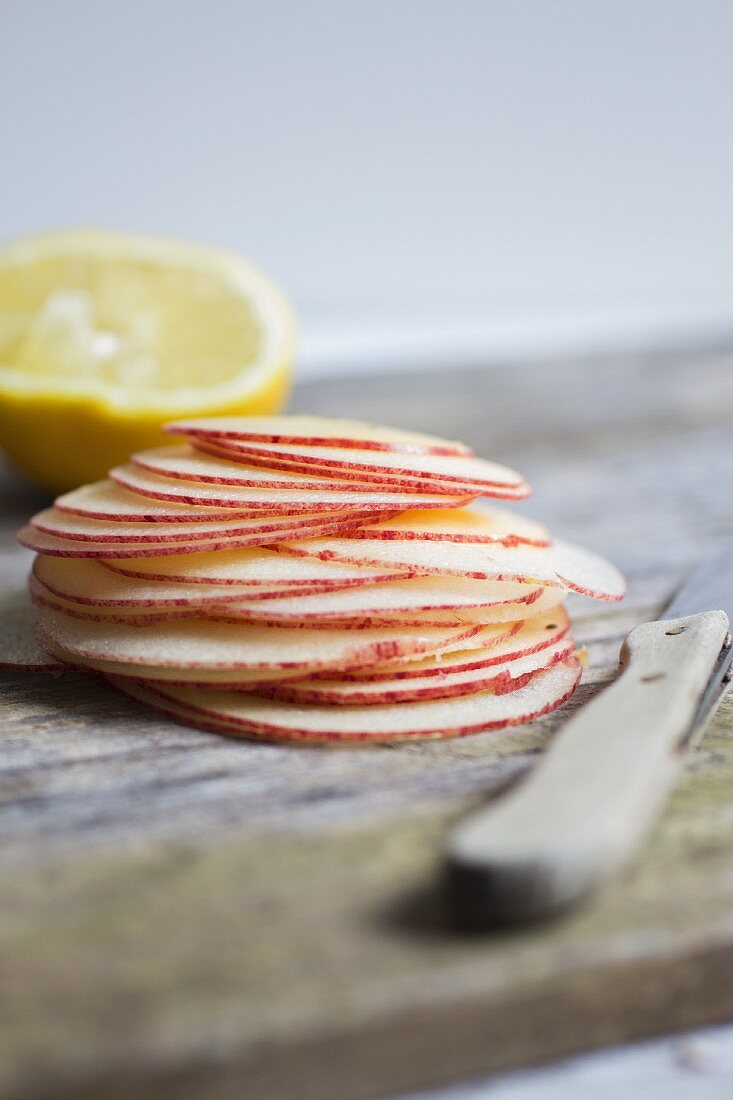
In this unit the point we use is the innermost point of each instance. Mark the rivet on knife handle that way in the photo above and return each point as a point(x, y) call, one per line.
point(581, 814)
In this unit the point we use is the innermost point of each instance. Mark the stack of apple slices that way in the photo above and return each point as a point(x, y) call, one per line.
point(300, 579)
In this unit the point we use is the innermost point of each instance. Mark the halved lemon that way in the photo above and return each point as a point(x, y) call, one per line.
point(104, 336)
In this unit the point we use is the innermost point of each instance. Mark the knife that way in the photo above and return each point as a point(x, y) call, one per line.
point(581, 815)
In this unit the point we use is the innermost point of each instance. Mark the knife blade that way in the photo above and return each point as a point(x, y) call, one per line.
point(582, 814)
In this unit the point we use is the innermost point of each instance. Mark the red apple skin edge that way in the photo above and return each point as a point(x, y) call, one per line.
point(376, 652)
point(480, 662)
point(268, 599)
point(246, 472)
point(502, 683)
point(444, 447)
point(147, 614)
point(29, 537)
point(510, 541)
point(113, 503)
point(212, 515)
point(362, 672)
point(341, 460)
point(223, 530)
point(426, 483)
point(202, 720)
point(353, 558)
point(217, 611)
point(199, 597)
point(380, 578)
point(357, 623)
point(261, 470)
point(181, 491)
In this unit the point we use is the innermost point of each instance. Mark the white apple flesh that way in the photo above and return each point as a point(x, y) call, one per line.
point(44, 543)
point(204, 481)
point(204, 645)
point(486, 640)
point(477, 523)
point(500, 678)
point(407, 603)
point(193, 463)
point(195, 578)
point(493, 644)
point(65, 525)
point(317, 432)
point(476, 475)
point(347, 460)
point(248, 715)
point(126, 597)
point(105, 500)
point(561, 564)
point(401, 600)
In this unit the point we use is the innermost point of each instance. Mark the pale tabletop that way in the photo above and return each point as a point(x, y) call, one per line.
point(186, 916)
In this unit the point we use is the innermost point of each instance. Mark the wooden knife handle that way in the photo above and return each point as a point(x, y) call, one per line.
point(581, 814)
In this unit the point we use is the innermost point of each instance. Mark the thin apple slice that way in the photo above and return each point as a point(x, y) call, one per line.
point(226, 466)
point(316, 432)
point(388, 478)
point(44, 543)
point(286, 610)
point(105, 500)
point(134, 615)
point(401, 599)
point(245, 574)
point(68, 526)
point(561, 564)
point(231, 679)
point(252, 716)
point(137, 614)
point(476, 524)
point(253, 568)
point(353, 462)
point(124, 600)
point(487, 642)
point(85, 589)
point(493, 644)
point(44, 599)
point(292, 610)
point(253, 680)
point(86, 582)
point(201, 645)
point(500, 678)
point(204, 481)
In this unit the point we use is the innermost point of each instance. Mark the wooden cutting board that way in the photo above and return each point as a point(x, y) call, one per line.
point(186, 916)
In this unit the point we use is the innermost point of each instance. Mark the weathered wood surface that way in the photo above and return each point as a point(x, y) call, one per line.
point(185, 916)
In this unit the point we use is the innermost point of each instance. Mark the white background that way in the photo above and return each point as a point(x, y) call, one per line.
point(463, 176)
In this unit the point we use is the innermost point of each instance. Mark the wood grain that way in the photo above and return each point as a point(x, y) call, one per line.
point(184, 916)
